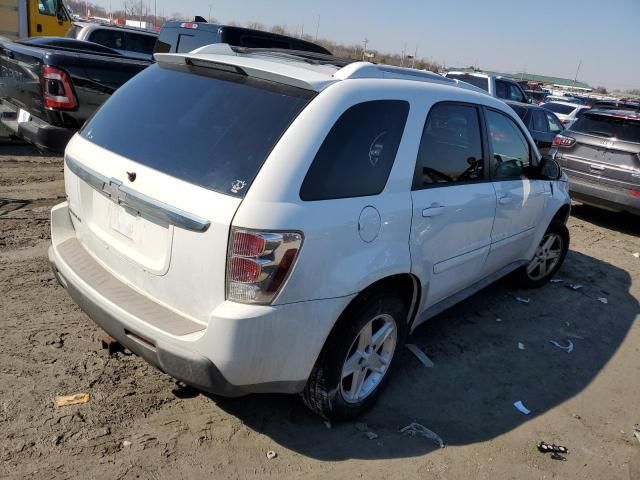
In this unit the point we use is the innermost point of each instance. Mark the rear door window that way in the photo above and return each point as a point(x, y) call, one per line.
point(109, 38)
point(502, 89)
point(509, 147)
point(357, 155)
point(451, 147)
point(211, 128)
point(540, 121)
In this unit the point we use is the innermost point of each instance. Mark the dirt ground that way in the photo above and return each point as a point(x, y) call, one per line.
point(140, 424)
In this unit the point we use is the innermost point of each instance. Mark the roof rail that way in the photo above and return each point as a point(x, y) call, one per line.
point(370, 70)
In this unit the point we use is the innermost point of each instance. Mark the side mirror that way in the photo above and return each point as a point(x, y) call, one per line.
point(549, 169)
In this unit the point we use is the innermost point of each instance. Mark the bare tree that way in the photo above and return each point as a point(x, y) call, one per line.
point(279, 29)
point(256, 25)
point(132, 8)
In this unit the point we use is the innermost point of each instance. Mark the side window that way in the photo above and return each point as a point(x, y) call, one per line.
point(47, 7)
point(515, 93)
point(357, 155)
point(509, 147)
point(540, 121)
point(581, 112)
point(554, 124)
point(139, 43)
point(502, 89)
point(109, 38)
point(451, 147)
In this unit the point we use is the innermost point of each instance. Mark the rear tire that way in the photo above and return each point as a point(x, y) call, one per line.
point(548, 259)
point(357, 358)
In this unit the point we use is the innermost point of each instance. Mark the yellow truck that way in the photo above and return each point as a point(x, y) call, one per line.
point(33, 18)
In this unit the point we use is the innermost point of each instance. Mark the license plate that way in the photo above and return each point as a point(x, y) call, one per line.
point(122, 221)
point(23, 116)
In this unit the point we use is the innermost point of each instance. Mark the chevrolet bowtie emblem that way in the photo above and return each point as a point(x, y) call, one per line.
point(112, 190)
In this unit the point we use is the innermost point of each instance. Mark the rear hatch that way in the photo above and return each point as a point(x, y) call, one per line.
point(156, 176)
point(607, 148)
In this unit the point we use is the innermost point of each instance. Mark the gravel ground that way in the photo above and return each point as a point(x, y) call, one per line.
point(140, 424)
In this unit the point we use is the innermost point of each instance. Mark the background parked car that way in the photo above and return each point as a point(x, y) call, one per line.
point(179, 37)
point(542, 124)
point(129, 41)
point(567, 112)
point(500, 87)
point(601, 155)
point(537, 96)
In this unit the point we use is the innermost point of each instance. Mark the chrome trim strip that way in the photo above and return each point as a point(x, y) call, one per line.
point(140, 203)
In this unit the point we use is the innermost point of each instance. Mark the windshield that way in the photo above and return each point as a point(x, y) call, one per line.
point(558, 108)
point(481, 82)
point(609, 126)
point(205, 126)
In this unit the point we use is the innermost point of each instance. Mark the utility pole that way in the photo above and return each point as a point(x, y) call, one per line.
point(415, 54)
point(155, 12)
point(317, 28)
point(364, 49)
point(141, 10)
point(577, 70)
point(403, 54)
point(209, 19)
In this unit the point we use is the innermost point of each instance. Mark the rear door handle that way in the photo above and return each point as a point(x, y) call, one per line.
point(433, 211)
point(505, 200)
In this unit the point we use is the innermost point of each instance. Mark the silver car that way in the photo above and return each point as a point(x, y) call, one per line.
point(129, 41)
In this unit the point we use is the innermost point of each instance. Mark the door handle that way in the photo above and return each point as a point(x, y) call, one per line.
point(505, 200)
point(433, 211)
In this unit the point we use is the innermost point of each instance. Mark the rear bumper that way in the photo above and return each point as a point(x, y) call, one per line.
point(243, 348)
point(36, 131)
point(604, 196)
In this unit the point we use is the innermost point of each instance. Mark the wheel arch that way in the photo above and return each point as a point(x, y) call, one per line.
point(562, 215)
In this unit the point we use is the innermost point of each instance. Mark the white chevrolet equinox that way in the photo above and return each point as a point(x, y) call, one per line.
point(254, 221)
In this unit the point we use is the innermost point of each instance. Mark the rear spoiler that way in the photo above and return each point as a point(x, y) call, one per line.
point(219, 56)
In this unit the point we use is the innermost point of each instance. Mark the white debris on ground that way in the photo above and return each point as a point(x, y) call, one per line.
point(426, 361)
point(414, 429)
point(520, 406)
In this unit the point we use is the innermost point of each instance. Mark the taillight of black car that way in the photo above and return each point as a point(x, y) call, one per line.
point(57, 92)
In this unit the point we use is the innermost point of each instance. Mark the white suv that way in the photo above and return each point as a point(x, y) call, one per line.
point(264, 222)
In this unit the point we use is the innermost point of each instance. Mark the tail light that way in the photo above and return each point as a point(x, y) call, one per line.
point(56, 89)
point(189, 25)
point(562, 141)
point(259, 263)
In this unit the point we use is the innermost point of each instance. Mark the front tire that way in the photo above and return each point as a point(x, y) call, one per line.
point(548, 257)
point(355, 362)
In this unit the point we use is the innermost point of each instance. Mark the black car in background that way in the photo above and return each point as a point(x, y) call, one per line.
point(600, 153)
point(178, 37)
point(542, 124)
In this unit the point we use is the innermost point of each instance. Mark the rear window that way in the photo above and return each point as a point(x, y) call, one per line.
point(205, 126)
point(608, 126)
point(173, 39)
point(480, 82)
point(558, 108)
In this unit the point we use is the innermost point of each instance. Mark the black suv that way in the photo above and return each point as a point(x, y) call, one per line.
point(601, 155)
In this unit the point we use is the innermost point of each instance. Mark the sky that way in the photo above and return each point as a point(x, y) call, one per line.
point(544, 37)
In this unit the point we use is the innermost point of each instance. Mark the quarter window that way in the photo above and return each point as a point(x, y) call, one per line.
point(509, 147)
point(515, 93)
point(451, 147)
point(554, 124)
point(502, 89)
point(357, 155)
